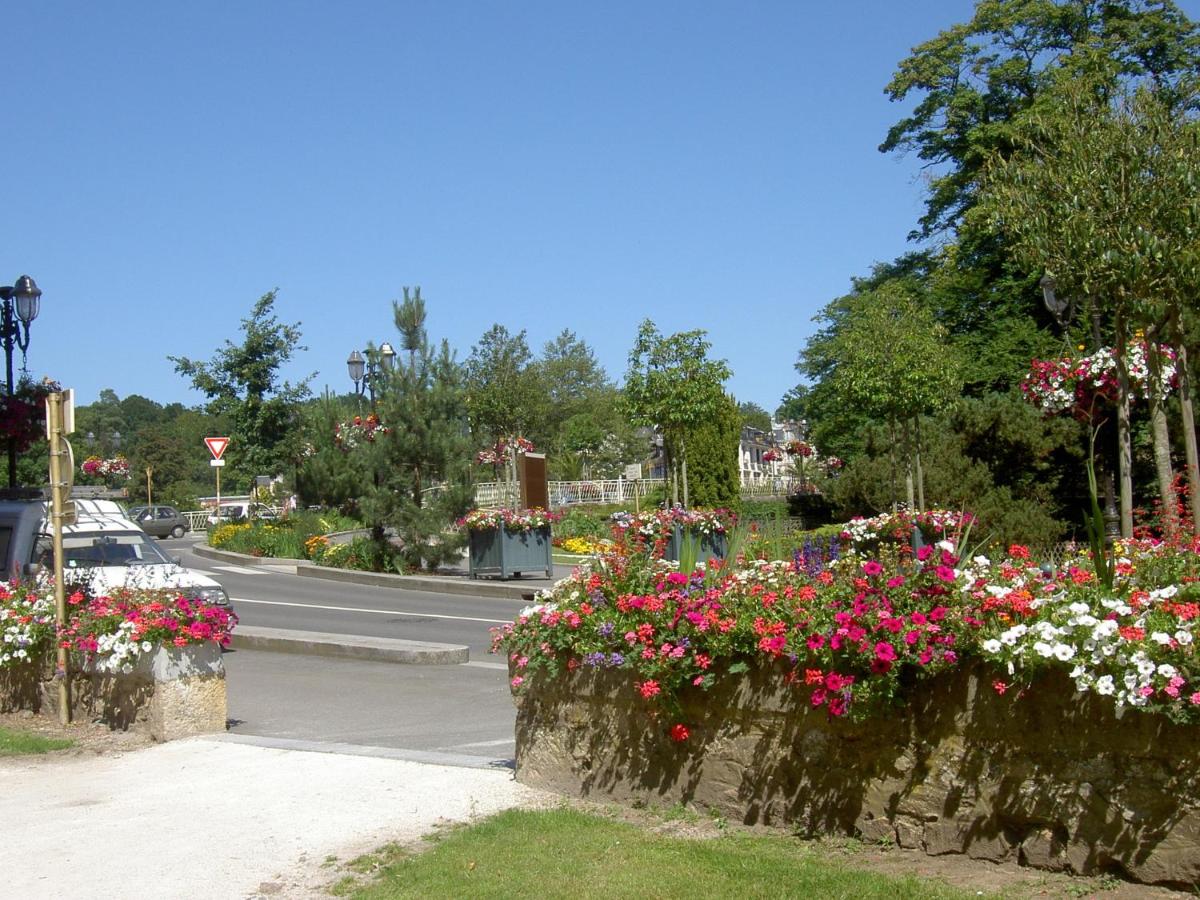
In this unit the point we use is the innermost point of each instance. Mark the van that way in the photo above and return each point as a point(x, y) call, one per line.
point(102, 550)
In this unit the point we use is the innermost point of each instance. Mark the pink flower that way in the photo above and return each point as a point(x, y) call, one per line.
point(885, 651)
point(518, 681)
point(815, 641)
point(818, 697)
point(924, 553)
point(872, 568)
point(648, 688)
point(1194, 699)
point(946, 574)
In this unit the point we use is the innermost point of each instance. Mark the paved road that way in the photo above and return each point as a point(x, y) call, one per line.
point(456, 710)
point(269, 598)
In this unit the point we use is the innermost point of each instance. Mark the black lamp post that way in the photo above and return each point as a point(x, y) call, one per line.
point(22, 302)
point(369, 366)
point(1063, 311)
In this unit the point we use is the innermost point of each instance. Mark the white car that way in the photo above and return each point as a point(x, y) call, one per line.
point(104, 550)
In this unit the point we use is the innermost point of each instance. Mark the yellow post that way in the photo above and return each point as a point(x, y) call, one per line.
point(149, 473)
point(59, 489)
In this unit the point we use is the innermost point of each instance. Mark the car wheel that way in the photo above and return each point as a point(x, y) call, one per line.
point(178, 531)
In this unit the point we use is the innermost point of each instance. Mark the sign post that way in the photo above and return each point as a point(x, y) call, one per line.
point(59, 423)
point(216, 446)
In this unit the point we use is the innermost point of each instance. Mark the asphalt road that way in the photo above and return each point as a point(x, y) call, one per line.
point(456, 709)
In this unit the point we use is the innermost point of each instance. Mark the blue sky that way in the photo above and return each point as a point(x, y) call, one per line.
point(538, 164)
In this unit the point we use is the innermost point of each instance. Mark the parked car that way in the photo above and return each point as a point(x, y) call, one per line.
point(160, 521)
point(242, 511)
point(103, 550)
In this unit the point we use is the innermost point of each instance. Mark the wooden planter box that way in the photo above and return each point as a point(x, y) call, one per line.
point(712, 546)
point(1052, 780)
point(504, 552)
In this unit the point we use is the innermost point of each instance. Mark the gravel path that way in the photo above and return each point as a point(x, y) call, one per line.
point(210, 818)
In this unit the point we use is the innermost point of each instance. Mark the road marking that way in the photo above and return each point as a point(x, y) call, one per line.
point(483, 665)
point(240, 570)
point(499, 743)
point(378, 612)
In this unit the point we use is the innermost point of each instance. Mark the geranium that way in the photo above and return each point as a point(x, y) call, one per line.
point(1079, 385)
point(23, 415)
point(110, 631)
point(852, 634)
point(352, 434)
point(117, 467)
point(772, 455)
point(799, 448)
point(511, 519)
point(502, 451)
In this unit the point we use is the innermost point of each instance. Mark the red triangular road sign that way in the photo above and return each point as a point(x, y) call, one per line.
point(216, 446)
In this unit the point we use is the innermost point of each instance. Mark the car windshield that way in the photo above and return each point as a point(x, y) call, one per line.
point(120, 548)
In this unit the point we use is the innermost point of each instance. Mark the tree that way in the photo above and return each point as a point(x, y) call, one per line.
point(893, 362)
point(755, 416)
point(713, 474)
point(242, 382)
point(972, 79)
point(1093, 194)
point(421, 468)
point(502, 385)
point(671, 384)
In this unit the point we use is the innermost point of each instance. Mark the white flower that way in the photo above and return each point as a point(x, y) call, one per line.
point(991, 645)
point(1105, 685)
point(1160, 637)
point(1063, 652)
point(1183, 637)
point(1145, 667)
point(1043, 649)
point(1079, 608)
point(1166, 670)
point(147, 646)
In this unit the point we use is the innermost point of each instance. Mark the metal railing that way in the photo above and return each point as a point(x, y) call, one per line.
point(495, 495)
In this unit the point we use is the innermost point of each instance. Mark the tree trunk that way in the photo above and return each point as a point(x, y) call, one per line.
point(1124, 438)
point(683, 469)
point(1162, 441)
point(1188, 418)
point(920, 468)
point(892, 460)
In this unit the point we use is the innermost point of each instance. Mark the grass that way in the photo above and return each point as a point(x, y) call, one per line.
point(567, 853)
point(20, 743)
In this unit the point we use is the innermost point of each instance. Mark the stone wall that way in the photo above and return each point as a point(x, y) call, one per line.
point(172, 692)
point(1053, 779)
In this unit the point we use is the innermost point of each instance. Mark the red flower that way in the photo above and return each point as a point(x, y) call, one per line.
point(679, 733)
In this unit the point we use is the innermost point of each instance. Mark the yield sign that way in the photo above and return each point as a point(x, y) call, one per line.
point(217, 445)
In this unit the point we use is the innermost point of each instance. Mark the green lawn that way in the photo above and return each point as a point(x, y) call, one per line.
point(17, 743)
point(569, 854)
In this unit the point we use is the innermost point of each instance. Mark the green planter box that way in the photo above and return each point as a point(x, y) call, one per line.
point(712, 546)
point(499, 551)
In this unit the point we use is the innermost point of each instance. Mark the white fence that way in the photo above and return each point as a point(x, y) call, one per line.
point(493, 495)
point(496, 495)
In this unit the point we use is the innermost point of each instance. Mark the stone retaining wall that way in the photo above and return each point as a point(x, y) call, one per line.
point(1054, 779)
point(172, 693)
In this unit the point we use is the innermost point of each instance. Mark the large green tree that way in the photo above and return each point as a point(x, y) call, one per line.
point(893, 362)
point(420, 469)
point(505, 396)
point(242, 382)
point(972, 79)
point(671, 384)
point(1093, 194)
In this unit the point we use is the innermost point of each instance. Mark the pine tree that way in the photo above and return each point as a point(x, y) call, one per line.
point(420, 469)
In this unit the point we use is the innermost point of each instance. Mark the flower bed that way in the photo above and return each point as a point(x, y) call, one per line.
point(860, 638)
point(137, 656)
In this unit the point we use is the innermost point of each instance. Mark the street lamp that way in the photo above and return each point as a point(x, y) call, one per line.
point(369, 366)
point(22, 302)
point(1058, 307)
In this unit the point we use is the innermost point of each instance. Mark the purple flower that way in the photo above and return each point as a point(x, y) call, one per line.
point(606, 629)
point(615, 660)
point(594, 659)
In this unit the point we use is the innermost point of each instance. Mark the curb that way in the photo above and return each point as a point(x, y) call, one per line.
point(245, 559)
point(459, 585)
point(463, 586)
point(348, 646)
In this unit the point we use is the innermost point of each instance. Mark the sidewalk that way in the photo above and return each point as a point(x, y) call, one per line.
point(223, 817)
